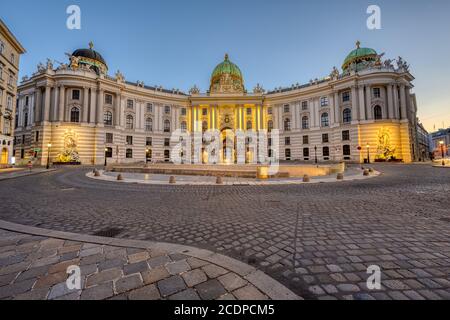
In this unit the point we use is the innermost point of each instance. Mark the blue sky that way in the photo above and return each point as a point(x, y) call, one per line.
point(177, 44)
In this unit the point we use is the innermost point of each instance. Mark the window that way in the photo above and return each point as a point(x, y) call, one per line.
point(108, 99)
point(269, 110)
point(325, 138)
point(16, 122)
point(129, 153)
point(324, 120)
point(305, 139)
point(269, 142)
point(287, 154)
point(183, 111)
point(346, 150)
point(109, 137)
point(326, 151)
point(75, 115)
point(346, 135)
point(377, 113)
point(25, 119)
point(324, 101)
point(75, 94)
point(130, 140)
point(346, 96)
point(166, 155)
point(6, 127)
point(2, 47)
point(149, 124)
point(148, 154)
point(306, 152)
point(166, 142)
point(286, 108)
point(347, 115)
point(249, 125)
point(130, 104)
point(376, 92)
point(305, 122)
point(9, 103)
point(166, 126)
point(304, 105)
point(107, 118)
point(108, 152)
point(249, 111)
point(129, 122)
point(149, 107)
point(1, 71)
point(11, 79)
point(27, 101)
point(36, 136)
point(287, 141)
point(287, 124)
point(183, 126)
point(13, 58)
point(270, 125)
point(167, 109)
point(204, 112)
point(204, 126)
point(148, 141)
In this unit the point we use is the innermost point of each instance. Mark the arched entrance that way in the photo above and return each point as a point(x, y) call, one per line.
point(227, 154)
point(4, 156)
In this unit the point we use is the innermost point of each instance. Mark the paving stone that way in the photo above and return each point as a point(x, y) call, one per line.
point(178, 267)
point(36, 294)
point(348, 287)
point(213, 271)
point(16, 288)
point(51, 279)
point(249, 292)
point(62, 266)
point(111, 264)
point(196, 263)
point(232, 281)
point(171, 285)
point(138, 257)
point(188, 294)
point(155, 275)
point(128, 283)
point(158, 261)
point(60, 290)
point(135, 267)
point(103, 276)
point(100, 292)
point(194, 277)
point(8, 278)
point(210, 290)
point(149, 292)
point(227, 296)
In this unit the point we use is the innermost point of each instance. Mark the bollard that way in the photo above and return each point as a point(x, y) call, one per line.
point(340, 176)
point(371, 170)
point(96, 173)
point(366, 172)
point(219, 180)
point(119, 177)
point(172, 180)
point(306, 178)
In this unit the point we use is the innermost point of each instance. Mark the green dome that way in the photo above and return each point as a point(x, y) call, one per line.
point(359, 55)
point(226, 67)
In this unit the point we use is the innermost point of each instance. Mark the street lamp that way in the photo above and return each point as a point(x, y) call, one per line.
point(146, 155)
point(106, 150)
point(48, 155)
point(441, 143)
point(368, 153)
point(315, 154)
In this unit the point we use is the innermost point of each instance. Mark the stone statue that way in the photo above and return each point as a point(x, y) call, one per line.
point(402, 64)
point(258, 89)
point(388, 64)
point(140, 83)
point(49, 64)
point(334, 73)
point(40, 67)
point(194, 90)
point(25, 78)
point(119, 76)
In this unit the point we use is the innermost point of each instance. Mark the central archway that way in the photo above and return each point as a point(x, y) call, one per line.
point(228, 153)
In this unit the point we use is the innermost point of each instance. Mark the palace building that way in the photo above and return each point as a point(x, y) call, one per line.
point(77, 112)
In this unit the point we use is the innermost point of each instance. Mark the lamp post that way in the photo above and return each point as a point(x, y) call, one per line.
point(106, 150)
point(315, 154)
point(48, 155)
point(368, 153)
point(441, 143)
point(146, 155)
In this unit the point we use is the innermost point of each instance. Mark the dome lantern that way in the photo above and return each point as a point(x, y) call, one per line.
point(359, 56)
point(227, 78)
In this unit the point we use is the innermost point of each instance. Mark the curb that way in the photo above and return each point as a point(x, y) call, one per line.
point(27, 175)
point(269, 286)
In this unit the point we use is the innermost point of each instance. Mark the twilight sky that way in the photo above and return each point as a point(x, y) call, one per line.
point(177, 44)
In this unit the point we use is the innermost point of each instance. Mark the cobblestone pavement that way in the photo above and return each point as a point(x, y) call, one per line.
point(35, 268)
point(316, 239)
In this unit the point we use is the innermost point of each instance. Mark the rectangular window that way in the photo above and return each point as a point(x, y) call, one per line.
point(305, 152)
point(376, 92)
point(325, 138)
point(287, 154)
point(166, 155)
point(346, 96)
point(345, 135)
point(305, 139)
point(304, 105)
point(167, 109)
point(130, 104)
point(183, 111)
point(269, 110)
point(129, 154)
point(148, 141)
point(108, 99)
point(346, 150)
point(37, 136)
point(204, 112)
point(249, 111)
point(269, 142)
point(22, 153)
point(130, 140)
point(287, 141)
point(109, 152)
point(27, 101)
point(326, 152)
point(75, 94)
point(324, 101)
point(167, 142)
point(286, 108)
point(109, 137)
point(149, 107)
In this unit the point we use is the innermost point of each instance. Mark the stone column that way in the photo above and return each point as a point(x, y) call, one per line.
point(312, 108)
point(85, 104)
point(337, 112)
point(54, 115)
point(390, 102)
point(332, 110)
point(396, 102)
point(316, 113)
point(362, 105)
point(62, 103)
point(369, 102)
point(100, 106)
point(355, 104)
point(93, 105)
point(47, 104)
point(117, 102)
point(403, 101)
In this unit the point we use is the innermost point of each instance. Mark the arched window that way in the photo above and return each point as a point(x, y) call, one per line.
point(249, 125)
point(166, 126)
point(74, 114)
point(347, 115)
point(324, 120)
point(183, 126)
point(269, 125)
point(129, 122)
point(107, 118)
point(377, 113)
point(305, 122)
point(149, 124)
point(287, 124)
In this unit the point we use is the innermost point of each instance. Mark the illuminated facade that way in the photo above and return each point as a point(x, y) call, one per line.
point(366, 109)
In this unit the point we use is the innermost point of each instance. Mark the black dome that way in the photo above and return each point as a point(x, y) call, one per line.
point(89, 53)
